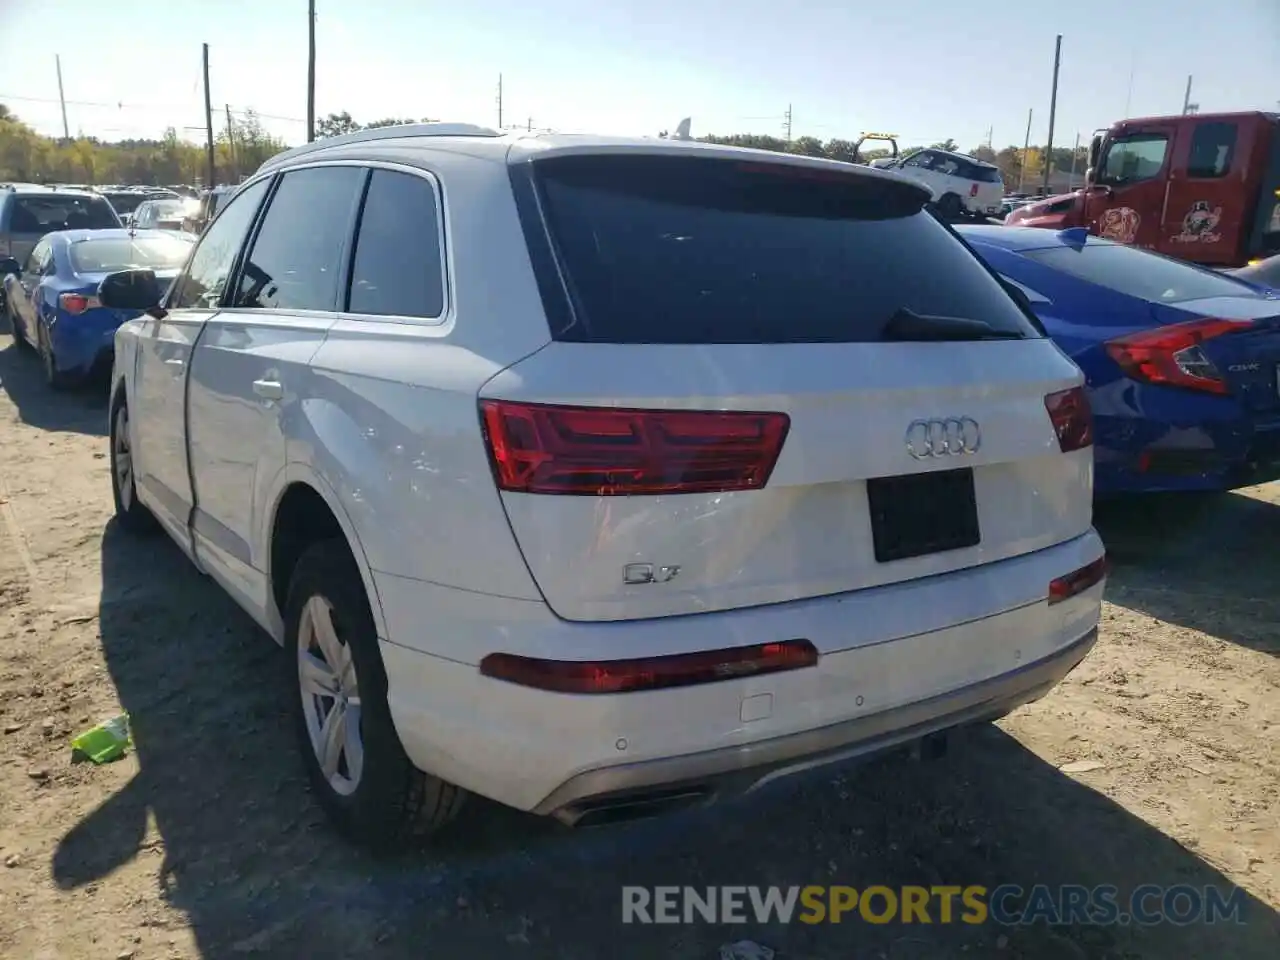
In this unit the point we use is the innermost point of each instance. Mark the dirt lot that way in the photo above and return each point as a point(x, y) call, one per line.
point(205, 843)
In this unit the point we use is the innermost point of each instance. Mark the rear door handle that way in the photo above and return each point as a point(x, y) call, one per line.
point(175, 362)
point(268, 389)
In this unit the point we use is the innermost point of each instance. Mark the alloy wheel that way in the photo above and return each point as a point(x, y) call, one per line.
point(330, 697)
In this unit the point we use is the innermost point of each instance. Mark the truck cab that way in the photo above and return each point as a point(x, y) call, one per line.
point(1203, 187)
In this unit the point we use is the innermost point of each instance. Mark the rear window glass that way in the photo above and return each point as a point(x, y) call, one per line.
point(46, 213)
point(1137, 273)
point(695, 250)
point(985, 174)
point(124, 253)
point(126, 202)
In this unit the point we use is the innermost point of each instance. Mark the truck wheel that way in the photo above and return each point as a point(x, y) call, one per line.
point(951, 208)
point(358, 770)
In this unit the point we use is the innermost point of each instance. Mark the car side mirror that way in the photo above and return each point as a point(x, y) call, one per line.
point(9, 265)
point(131, 290)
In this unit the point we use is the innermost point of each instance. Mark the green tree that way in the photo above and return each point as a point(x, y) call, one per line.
point(947, 144)
point(336, 124)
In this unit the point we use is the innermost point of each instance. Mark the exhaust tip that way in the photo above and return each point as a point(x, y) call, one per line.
point(642, 806)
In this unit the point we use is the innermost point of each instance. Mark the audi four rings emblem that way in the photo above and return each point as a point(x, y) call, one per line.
point(949, 437)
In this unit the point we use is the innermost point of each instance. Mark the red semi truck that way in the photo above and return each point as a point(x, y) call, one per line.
point(1202, 187)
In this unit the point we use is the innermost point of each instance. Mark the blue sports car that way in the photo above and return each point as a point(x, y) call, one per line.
point(1182, 364)
point(52, 299)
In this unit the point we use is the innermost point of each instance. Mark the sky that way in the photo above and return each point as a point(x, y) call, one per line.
point(924, 69)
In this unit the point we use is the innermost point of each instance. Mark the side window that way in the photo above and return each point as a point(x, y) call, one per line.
point(298, 253)
point(142, 219)
point(920, 159)
point(201, 285)
point(1135, 158)
point(948, 165)
point(36, 259)
point(398, 268)
point(1213, 148)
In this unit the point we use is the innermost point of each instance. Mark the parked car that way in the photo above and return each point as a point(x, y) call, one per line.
point(1200, 187)
point(125, 201)
point(210, 203)
point(587, 543)
point(963, 185)
point(1182, 363)
point(1263, 273)
point(52, 302)
point(168, 214)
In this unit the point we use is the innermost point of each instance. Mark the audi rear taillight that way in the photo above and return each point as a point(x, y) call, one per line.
point(604, 451)
point(76, 303)
point(649, 673)
point(1078, 581)
point(1173, 355)
point(1072, 418)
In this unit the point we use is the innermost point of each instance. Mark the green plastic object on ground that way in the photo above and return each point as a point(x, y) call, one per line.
point(106, 742)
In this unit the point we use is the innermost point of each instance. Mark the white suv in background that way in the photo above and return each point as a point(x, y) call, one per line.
point(962, 185)
point(603, 476)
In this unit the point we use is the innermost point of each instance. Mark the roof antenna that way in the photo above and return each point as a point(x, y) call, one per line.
point(682, 129)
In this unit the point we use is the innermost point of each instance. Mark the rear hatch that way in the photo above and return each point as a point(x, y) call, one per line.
point(758, 391)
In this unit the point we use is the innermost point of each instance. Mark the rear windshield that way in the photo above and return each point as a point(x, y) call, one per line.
point(126, 202)
point(984, 174)
point(696, 250)
point(1137, 273)
point(124, 253)
point(46, 213)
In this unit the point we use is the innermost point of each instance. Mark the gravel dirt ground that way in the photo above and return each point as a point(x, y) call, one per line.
point(203, 842)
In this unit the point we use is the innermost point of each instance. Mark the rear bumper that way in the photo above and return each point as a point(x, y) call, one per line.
point(715, 773)
point(84, 344)
point(896, 663)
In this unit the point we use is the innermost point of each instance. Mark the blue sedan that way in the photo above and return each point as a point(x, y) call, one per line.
point(1182, 364)
point(52, 299)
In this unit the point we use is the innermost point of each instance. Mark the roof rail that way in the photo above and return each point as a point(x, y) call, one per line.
point(384, 133)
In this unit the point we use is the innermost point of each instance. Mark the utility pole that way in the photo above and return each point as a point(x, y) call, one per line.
point(1026, 149)
point(66, 130)
point(311, 71)
point(208, 120)
point(499, 101)
point(1053, 111)
point(529, 128)
point(1128, 98)
point(787, 123)
point(1186, 98)
point(991, 133)
point(231, 143)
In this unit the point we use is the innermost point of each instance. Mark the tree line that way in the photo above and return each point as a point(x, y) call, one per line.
point(241, 148)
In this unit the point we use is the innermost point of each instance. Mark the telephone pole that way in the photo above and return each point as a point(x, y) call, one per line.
point(231, 143)
point(1071, 184)
point(66, 130)
point(1053, 110)
point(1186, 98)
point(208, 120)
point(787, 123)
point(1026, 149)
point(499, 101)
point(311, 71)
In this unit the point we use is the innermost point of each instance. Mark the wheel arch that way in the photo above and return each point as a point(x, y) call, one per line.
point(301, 501)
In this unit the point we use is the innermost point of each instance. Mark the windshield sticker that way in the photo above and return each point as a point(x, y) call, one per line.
point(1200, 224)
point(1119, 224)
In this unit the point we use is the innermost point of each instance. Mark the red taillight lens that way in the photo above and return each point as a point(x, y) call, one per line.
point(1078, 581)
point(75, 303)
point(1172, 355)
point(1072, 418)
point(602, 451)
point(973, 189)
point(649, 673)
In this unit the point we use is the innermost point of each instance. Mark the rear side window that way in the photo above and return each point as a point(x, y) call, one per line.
point(297, 255)
point(693, 250)
point(1213, 146)
point(1137, 273)
point(398, 268)
point(45, 213)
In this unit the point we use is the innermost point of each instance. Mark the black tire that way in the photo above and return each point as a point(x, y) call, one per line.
point(386, 801)
point(133, 516)
point(55, 378)
point(950, 207)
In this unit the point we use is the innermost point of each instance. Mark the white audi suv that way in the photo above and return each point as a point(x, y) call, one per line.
point(605, 476)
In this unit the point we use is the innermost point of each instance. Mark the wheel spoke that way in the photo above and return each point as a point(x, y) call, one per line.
point(333, 735)
point(316, 676)
point(325, 635)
